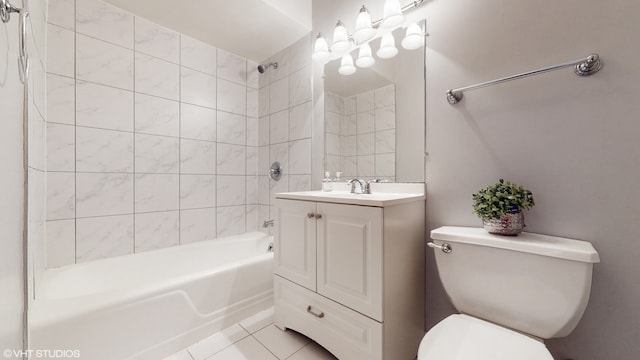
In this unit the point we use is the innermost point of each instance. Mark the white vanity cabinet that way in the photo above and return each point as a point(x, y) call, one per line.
point(351, 276)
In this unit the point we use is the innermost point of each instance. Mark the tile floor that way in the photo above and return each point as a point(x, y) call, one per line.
point(255, 338)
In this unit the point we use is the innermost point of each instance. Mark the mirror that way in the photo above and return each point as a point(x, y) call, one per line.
point(375, 118)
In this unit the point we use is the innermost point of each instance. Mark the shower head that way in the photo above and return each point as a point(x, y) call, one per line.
point(263, 68)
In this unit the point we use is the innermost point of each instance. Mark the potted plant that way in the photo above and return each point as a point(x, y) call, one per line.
point(500, 207)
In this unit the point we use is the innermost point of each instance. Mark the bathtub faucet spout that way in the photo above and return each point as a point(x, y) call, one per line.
point(267, 223)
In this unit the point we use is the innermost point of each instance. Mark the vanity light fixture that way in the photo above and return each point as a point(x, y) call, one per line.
point(388, 47)
point(365, 30)
point(346, 65)
point(321, 51)
point(340, 39)
point(413, 38)
point(365, 59)
point(364, 27)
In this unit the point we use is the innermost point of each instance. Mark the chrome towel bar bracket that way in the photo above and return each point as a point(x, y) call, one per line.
point(23, 59)
point(582, 67)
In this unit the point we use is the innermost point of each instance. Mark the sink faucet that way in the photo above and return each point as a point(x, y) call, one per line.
point(365, 187)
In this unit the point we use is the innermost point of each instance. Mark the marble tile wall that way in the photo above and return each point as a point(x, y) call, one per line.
point(285, 124)
point(360, 134)
point(152, 136)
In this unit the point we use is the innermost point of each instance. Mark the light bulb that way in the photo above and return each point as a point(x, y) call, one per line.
point(365, 59)
point(413, 38)
point(392, 14)
point(387, 47)
point(364, 28)
point(340, 38)
point(321, 51)
point(346, 65)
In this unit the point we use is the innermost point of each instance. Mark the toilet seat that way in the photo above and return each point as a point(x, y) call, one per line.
point(463, 337)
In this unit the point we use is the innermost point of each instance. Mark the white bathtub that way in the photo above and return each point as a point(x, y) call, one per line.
point(149, 305)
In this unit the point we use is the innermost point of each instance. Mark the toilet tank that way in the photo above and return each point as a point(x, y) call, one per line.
point(532, 283)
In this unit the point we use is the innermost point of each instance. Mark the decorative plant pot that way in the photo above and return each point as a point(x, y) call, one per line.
point(510, 224)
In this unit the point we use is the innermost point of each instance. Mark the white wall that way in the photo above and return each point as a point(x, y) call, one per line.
point(573, 141)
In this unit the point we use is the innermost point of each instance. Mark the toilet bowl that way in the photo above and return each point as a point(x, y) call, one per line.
point(511, 292)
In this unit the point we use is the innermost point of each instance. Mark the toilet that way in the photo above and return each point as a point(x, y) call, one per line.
point(511, 292)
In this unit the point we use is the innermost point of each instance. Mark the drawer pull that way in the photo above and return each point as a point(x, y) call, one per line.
point(318, 216)
point(316, 314)
point(311, 215)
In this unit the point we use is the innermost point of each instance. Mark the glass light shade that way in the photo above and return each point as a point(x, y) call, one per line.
point(340, 38)
point(387, 47)
point(413, 38)
point(392, 14)
point(346, 65)
point(365, 59)
point(364, 28)
point(321, 51)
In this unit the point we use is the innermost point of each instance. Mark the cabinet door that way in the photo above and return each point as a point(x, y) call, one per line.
point(295, 242)
point(350, 256)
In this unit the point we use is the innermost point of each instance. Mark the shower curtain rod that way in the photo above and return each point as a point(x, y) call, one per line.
point(583, 67)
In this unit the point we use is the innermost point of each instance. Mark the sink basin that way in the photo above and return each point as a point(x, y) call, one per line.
point(396, 195)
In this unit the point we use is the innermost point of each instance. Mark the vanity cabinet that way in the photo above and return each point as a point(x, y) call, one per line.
point(351, 277)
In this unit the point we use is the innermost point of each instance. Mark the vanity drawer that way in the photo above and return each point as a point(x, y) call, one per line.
point(346, 333)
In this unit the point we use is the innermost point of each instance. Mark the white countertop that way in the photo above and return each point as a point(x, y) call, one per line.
point(384, 194)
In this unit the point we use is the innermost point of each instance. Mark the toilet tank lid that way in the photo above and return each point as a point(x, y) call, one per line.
point(545, 245)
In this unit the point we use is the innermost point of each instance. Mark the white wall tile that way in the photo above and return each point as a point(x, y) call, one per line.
point(282, 72)
point(61, 196)
point(385, 165)
point(364, 102)
point(300, 122)
point(61, 243)
point(366, 166)
point(252, 131)
point(61, 147)
point(332, 145)
point(197, 157)
point(157, 77)
point(300, 53)
point(385, 141)
point(352, 124)
point(263, 102)
point(252, 75)
point(101, 62)
point(197, 191)
point(198, 55)
point(279, 95)
point(153, 39)
point(103, 194)
point(197, 225)
point(37, 139)
point(386, 118)
point(351, 146)
point(62, 13)
point(61, 97)
point(253, 102)
point(104, 107)
point(156, 230)
point(300, 86)
point(230, 190)
point(300, 157)
point(264, 127)
point(252, 216)
point(366, 144)
point(157, 116)
point(231, 159)
point(365, 122)
point(197, 122)
point(230, 220)
point(332, 123)
point(279, 127)
point(232, 128)
point(62, 60)
point(232, 67)
point(100, 150)
point(232, 97)
point(198, 88)
point(156, 154)
point(263, 190)
point(157, 192)
point(385, 96)
point(252, 189)
point(350, 105)
point(103, 237)
point(252, 160)
point(106, 22)
point(279, 186)
point(300, 182)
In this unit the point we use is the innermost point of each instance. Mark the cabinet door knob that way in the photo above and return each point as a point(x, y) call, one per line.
point(318, 216)
point(311, 215)
point(315, 313)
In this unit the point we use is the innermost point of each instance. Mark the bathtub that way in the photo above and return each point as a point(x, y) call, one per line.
point(152, 304)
